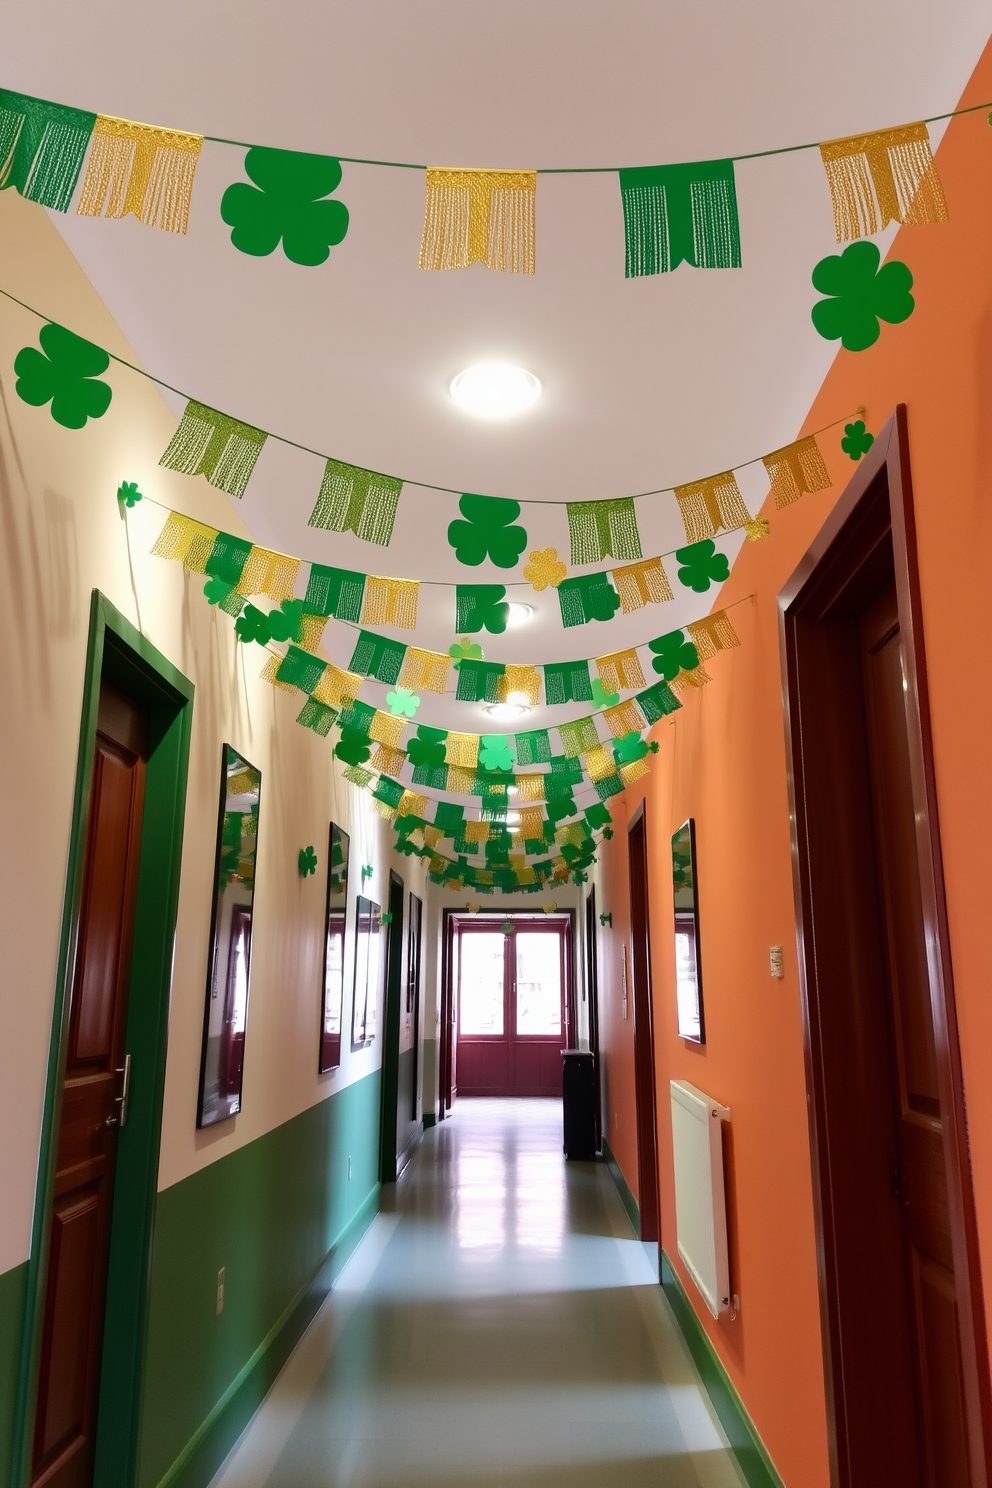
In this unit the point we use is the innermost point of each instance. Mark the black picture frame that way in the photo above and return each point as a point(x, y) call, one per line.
point(368, 969)
point(225, 1012)
point(688, 961)
point(335, 949)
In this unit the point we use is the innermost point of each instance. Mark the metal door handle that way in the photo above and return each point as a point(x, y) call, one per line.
point(121, 1101)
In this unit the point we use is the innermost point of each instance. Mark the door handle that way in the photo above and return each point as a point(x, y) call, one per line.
point(121, 1100)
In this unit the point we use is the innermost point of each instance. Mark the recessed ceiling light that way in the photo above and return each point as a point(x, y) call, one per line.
point(505, 711)
point(511, 790)
point(495, 390)
point(513, 818)
point(518, 614)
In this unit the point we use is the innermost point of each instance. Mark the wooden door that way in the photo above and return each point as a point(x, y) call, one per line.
point(644, 1075)
point(592, 987)
point(92, 1108)
point(512, 1007)
point(413, 961)
point(391, 1021)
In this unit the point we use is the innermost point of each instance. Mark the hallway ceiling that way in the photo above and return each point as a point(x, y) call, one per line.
point(647, 382)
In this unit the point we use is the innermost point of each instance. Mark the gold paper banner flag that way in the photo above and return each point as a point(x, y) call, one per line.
point(531, 822)
point(621, 669)
point(389, 761)
point(391, 602)
point(634, 771)
point(312, 631)
point(887, 176)
point(796, 470)
point(268, 674)
point(142, 169)
point(626, 718)
point(708, 505)
point(462, 751)
point(714, 633)
point(520, 684)
point(525, 874)
point(600, 763)
point(476, 831)
point(529, 787)
point(269, 573)
point(438, 863)
point(642, 583)
point(698, 677)
point(383, 809)
point(560, 873)
point(337, 687)
point(414, 804)
point(460, 782)
point(385, 728)
point(480, 216)
point(189, 543)
point(432, 835)
point(426, 670)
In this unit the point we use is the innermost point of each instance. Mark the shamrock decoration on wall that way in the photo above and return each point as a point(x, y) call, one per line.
point(544, 568)
point(486, 532)
point(286, 622)
point(403, 703)
point(217, 591)
point(64, 373)
point(285, 203)
point(354, 746)
point(307, 861)
point(128, 494)
point(465, 650)
point(495, 752)
point(861, 294)
point(673, 654)
point(702, 565)
point(856, 441)
point(427, 749)
point(251, 625)
point(601, 698)
point(631, 748)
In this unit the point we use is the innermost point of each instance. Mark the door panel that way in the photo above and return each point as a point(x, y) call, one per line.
point(511, 1007)
point(644, 1070)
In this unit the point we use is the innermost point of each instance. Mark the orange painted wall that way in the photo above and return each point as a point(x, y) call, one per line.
point(722, 761)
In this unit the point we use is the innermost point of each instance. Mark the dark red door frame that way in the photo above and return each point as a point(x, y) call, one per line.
point(592, 994)
point(876, 510)
point(644, 1067)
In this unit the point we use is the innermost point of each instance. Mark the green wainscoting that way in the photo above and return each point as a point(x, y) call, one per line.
point(280, 1216)
point(13, 1291)
point(623, 1188)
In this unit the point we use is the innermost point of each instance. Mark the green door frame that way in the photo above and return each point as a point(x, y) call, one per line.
point(391, 1033)
point(118, 652)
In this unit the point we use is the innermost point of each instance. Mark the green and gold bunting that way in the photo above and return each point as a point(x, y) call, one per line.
point(882, 177)
point(480, 607)
point(578, 736)
point(42, 147)
point(707, 506)
point(391, 602)
point(567, 681)
point(378, 656)
point(676, 214)
point(712, 634)
point(317, 716)
point(140, 169)
point(796, 470)
point(479, 681)
point(603, 529)
point(640, 584)
point(335, 591)
point(620, 670)
point(586, 598)
point(211, 444)
point(624, 719)
point(480, 216)
point(426, 670)
point(520, 684)
point(355, 500)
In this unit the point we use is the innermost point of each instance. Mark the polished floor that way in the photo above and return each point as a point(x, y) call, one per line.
point(499, 1326)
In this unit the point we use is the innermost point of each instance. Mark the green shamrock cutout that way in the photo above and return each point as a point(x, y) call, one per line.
point(861, 294)
point(128, 493)
point(426, 749)
point(674, 654)
point(465, 650)
point(286, 622)
point(601, 698)
point(307, 861)
point(354, 746)
point(631, 748)
point(217, 590)
point(702, 565)
point(495, 752)
point(285, 203)
point(857, 441)
point(65, 374)
point(253, 625)
point(486, 531)
point(403, 703)
point(608, 833)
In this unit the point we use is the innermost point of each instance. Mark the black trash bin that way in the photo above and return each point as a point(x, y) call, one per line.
point(578, 1089)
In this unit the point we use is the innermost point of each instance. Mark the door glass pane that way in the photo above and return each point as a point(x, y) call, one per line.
point(538, 984)
point(480, 993)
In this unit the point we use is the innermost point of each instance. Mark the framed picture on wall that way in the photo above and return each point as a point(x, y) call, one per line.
point(367, 963)
point(688, 970)
point(334, 949)
point(225, 1017)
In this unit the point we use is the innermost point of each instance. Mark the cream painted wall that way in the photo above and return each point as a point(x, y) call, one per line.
point(60, 537)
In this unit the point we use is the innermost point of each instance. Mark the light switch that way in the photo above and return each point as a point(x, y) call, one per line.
point(220, 1292)
point(776, 963)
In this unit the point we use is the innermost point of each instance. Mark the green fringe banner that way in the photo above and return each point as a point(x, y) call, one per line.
point(585, 598)
point(377, 656)
point(676, 214)
point(42, 146)
point(478, 681)
point(211, 444)
point(335, 591)
point(567, 681)
point(355, 500)
point(603, 529)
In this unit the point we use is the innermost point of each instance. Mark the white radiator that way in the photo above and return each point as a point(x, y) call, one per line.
point(700, 1201)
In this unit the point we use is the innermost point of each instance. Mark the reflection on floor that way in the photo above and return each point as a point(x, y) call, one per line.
point(500, 1326)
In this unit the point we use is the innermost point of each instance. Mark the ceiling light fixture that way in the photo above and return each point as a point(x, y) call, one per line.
point(518, 614)
point(504, 712)
point(495, 390)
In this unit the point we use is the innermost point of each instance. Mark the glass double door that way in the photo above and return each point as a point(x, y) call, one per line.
point(512, 1007)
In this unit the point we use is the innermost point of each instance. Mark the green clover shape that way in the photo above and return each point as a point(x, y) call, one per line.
point(600, 697)
point(128, 493)
point(486, 531)
point(630, 748)
point(702, 565)
point(217, 590)
point(285, 204)
point(608, 833)
point(354, 746)
point(857, 441)
point(495, 752)
point(307, 861)
point(403, 702)
point(65, 374)
point(253, 625)
point(466, 650)
point(861, 294)
point(286, 622)
point(674, 654)
point(426, 750)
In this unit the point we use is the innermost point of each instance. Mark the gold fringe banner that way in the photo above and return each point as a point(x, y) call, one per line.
point(476, 831)
point(714, 633)
point(600, 763)
point(312, 631)
point(412, 803)
point(529, 787)
point(625, 718)
point(620, 669)
point(634, 771)
point(424, 669)
point(460, 782)
point(480, 216)
point(518, 683)
point(337, 687)
point(560, 874)
point(432, 835)
point(189, 543)
point(268, 674)
point(391, 602)
point(698, 677)
point(642, 583)
point(389, 761)
point(270, 573)
point(462, 751)
point(216, 446)
point(796, 470)
point(531, 822)
point(707, 505)
point(886, 176)
point(142, 169)
point(385, 728)
point(384, 809)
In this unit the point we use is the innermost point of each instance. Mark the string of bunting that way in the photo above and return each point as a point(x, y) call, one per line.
point(682, 212)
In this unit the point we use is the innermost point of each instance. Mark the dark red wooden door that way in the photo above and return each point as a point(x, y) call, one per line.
point(512, 1007)
point(72, 1336)
point(644, 1070)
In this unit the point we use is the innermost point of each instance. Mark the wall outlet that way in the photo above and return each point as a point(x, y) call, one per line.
point(776, 962)
point(220, 1292)
point(349, 1169)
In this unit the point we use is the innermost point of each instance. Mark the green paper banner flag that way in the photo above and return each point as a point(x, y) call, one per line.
point(566, 767)
point(390, 792)
point(228, 557)
point(357, 715)
point(597, 816)
point(211, 444)
point(301, 669)
point(577, 737)
point(533, 748)
point(676, 214)
point(478, 681)
point(334, 591)
point(355, 500)
point(603, 529)
point(377, 656)
point(567, 681)
point(588, 597)
point(42, 146)
point(433, 776)
point(657, 701)
point(480, 607)
point(611, 785)
point(317, 716)
point(449, 818)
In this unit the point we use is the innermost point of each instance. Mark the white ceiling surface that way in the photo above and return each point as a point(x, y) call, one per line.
point(647, 382)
